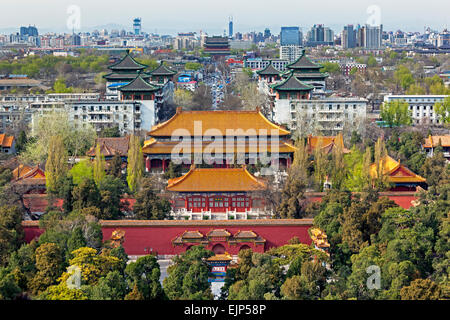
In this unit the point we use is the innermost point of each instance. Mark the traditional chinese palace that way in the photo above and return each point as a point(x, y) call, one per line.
point(301, 78)
point(401, 178)
point(128, 81)
point(219, 139)
point(217, 194)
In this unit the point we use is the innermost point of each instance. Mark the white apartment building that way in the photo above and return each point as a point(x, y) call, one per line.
point(259, 64)
point(328, 116)
point(421, 107)
point(290, 52)
point(127, 115)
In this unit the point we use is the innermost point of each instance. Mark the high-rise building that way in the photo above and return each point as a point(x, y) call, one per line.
point(267, 33)
point(291, 36)
point(372, 36)
point(29, 31)
point(230, 28)
point(76, 40)
point(328, 35)
point(137, 27)
point(349, 37)
point(320, 35)
point(444, 39)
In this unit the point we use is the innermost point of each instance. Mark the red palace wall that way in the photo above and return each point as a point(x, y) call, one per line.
point(143, 237)
point(403, 199)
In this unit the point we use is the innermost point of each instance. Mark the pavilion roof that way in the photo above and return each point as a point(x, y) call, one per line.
point(124, 76)
point(139, 85)
point(433, 141)
point(28, 175)
point(216, 180)
point(396, 172)
point(111, 146)
point(303, 62)
point(217, 121)
point(327, 143)
point(162, 70)
point(218, 233)
point(292, 84)
point(269, 70)
point(6, 141)
point(127, 63)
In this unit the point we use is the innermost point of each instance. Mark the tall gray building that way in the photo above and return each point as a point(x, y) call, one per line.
point(349, 37)
point(372, 36)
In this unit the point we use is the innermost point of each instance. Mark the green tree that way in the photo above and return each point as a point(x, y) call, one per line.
point(99, 166)
point(49, 263)
point(145, 274)
point(330, 67)
point(396, 113)
point(115, 166)
point(421, 289)
point(403, 77)
point(188, 277)
point(148, 205)
point(443, 110)
point(86, 194)
point(111, 190)
point(111, 287)
point(11, 232)
point(135, 168)
point(56, 165)
point(82, 170)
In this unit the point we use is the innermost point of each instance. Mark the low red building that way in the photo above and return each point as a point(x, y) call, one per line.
point(218, 190)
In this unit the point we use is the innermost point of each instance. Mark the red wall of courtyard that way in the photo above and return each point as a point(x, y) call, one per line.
point(144, 237)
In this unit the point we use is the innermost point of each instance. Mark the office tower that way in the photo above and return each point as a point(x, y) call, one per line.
point(328, 35)
point(349, 37)
point(230, 28)
point(290, 36)
point(267, 33)
point(137, 27)
point(372, 36)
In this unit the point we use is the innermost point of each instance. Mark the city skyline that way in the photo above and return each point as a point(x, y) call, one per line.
point(197, 14)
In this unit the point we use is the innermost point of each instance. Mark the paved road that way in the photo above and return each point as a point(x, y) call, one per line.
point(163, 264)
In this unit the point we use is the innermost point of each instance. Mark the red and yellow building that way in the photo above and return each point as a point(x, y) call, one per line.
point(402, 178)
point(218, 138)
point(216, 191)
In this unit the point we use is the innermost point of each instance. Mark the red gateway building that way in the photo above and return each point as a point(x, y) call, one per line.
point(218, 193)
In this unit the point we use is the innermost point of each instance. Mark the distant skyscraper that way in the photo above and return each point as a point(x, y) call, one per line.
point(29, 31)
point(349, 37)
point(267, 33)
point(137, 27)
point(372, 36)
point(230, 28)
point(76, 40)
point(291, 36)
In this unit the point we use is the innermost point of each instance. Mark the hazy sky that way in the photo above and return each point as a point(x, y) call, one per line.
point(171, 16)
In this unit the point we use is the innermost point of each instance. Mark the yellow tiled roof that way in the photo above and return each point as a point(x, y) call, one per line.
point(327, 143)
point(217, 179)
point(433, 141)
point(6, 141)
point(396, 172)
point(216, 120)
